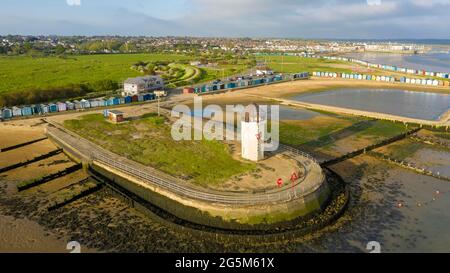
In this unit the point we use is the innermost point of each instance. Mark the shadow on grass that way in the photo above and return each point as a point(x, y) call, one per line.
point(340, 134)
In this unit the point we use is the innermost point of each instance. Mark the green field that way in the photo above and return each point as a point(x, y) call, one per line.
point(404, 149)
point(149, 142)
point(301, 132)
point(223, 71)
point(294, 64)
point(26, 80)
point(20, 73)
point(324, 131)
point(183, 74)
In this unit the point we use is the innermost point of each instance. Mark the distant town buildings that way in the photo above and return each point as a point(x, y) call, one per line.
point(394, 47)
point(16, 44)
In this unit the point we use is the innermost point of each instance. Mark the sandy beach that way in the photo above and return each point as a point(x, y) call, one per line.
point(26, 236)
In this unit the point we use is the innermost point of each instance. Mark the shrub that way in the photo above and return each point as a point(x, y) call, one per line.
point(34, 96)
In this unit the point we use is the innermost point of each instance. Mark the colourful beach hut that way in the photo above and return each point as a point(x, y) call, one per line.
point(147, 97)
point(6, 113)
point(70, 105)
point(77, 104)
point(27, 111)
point(62, 107)
point(44, 108)
point(52, 108)
point(110, 102)
point(85, 104)
point(17, 111)
point(37, 109)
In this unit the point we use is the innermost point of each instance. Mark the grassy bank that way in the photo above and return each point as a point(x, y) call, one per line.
point(294, 64)
point(22, 72)
point(328, 132)
point(149, 142)
point(29, 80)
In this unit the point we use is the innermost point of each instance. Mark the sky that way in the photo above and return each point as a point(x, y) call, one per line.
point(333, 19)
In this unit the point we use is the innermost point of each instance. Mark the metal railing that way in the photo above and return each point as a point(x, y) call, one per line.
point(298, 152)
point(91, 151)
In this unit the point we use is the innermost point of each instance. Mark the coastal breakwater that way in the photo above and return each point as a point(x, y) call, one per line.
point(368, 148)
point(409, 166)
point(224, 210)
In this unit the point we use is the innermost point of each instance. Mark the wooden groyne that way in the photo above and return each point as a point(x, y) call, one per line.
point(76, 197)
point(21, 145)
point(430, 141)
point(36, 182)
point(409, 166)
point(36, 159)
point(368, 148)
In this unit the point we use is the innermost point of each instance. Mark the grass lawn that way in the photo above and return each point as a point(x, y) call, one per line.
point(222, 71)
point(294, 64)
point(323, 131)
point(191, 74)
point(382, 129)
point(403, 149)
point(149, 142)
point(301, 132)
point(19, 73)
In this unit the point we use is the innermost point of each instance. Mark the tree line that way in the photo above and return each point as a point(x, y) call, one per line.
point(43, 95)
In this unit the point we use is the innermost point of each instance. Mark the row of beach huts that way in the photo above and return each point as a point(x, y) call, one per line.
point(429, 82)
point(243, 82)
point(43, 109)
point(389, 67)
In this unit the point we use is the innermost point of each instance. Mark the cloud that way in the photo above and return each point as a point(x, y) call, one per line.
point(430, 3)
point(320, 18)
point(73, 2)
point(374, 2)
point(254, 18)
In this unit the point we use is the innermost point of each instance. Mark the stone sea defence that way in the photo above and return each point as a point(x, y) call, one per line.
point(219, 209)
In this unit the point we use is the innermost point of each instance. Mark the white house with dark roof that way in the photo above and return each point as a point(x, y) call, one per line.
point(138, 85)
point(264, 70)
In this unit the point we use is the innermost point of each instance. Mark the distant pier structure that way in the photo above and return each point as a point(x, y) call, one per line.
point(253, 128)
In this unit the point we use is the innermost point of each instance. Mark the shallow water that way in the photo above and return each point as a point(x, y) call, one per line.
point(420, 225)
point(412, 104)
point(286, 113)
point(436, 62)
point(437, 161)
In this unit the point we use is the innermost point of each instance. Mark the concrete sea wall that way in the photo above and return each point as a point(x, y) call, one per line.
point(221, 216)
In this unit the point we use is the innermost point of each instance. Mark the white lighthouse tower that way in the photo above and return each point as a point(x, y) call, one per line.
point(253, 130)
